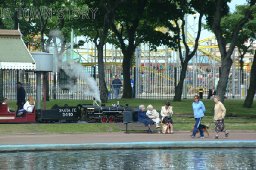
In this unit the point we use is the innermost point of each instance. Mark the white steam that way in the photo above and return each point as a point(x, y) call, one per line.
point(75, 71)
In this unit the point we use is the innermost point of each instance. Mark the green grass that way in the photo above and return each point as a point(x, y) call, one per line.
point(234, 107)
point(57, 128)
point(231, 123)
point(238, 117)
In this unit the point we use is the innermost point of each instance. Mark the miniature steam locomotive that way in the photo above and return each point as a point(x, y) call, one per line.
point(82, 112)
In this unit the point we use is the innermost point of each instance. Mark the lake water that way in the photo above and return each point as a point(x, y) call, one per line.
point(132, 159)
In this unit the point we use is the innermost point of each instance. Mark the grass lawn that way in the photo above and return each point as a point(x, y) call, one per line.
point(238, 118)
point(234, 107)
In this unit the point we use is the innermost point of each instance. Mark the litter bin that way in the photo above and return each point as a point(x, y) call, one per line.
point(201, 93)
point(127, 118)
point(209, 94)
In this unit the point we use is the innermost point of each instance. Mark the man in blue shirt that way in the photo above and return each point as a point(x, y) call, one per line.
point(199, 110)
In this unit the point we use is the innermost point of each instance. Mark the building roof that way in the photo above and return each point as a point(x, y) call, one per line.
point(13, 52)
point(4, 32)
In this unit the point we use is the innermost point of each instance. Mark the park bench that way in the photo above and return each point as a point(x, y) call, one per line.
point(138, 120)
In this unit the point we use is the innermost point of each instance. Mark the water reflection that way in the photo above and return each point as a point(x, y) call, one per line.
point(132, 159)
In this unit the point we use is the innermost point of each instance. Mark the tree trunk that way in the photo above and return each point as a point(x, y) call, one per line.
point(1, 24)
point(15, 20)
point(101, 70)
point(127, 89)
point(226, 51)
point(42, 41)
point(179, 87)
point(46, 80)
point(45, 75)
point(252, 88)
point(224, 75)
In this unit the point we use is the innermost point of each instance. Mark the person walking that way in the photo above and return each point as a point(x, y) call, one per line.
point(116, 85)
point(199, 110)
point(21, 95)
point(219, 115)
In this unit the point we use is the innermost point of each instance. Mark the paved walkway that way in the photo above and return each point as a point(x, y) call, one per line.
point(90, 141)
point(23, 139)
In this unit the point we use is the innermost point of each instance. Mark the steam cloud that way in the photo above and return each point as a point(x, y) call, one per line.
point(75, 70)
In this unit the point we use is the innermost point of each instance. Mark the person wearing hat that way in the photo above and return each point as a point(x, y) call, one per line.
point(153, 114)
point(21, 96)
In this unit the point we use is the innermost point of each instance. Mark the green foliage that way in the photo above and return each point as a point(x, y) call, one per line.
point(210, 7)
point(144, 17)
point(230, 22)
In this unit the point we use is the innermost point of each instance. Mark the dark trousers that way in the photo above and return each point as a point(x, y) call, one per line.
point(196, 127)
point(20, 105)
point(201, 95)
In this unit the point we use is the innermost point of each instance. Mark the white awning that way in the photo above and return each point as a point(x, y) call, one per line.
point(17, 66)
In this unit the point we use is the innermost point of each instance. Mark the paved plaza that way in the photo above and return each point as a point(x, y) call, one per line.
point(116, 137)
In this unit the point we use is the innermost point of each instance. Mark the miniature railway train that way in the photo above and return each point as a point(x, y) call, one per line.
point(81, 112)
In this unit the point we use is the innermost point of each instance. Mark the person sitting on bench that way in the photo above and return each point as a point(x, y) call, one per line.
point(143, 118)
point(154, 115)
point(166, 113)
point(27, 107)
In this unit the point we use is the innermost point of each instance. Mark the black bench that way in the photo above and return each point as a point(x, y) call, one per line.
point(138, 117)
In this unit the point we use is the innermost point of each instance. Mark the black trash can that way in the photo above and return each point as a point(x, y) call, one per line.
point(209, 94)
point(201, 93)
point(127, 118)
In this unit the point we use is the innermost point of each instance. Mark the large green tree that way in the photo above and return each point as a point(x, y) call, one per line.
point(188, 8)
point(97, 30)
point(246, 34)
point(135, 22)
point(252, 88)
point(10, 19)
point(125, 27)
point(217, 10)
point(244, 44)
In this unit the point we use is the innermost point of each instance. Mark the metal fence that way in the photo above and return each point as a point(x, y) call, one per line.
point(155, 83)
point(152, 81)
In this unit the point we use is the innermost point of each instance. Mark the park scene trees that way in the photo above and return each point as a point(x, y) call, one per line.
point(163, 47)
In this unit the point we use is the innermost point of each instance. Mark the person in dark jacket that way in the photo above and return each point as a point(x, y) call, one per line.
point(21, 95)
point(116, 85)
point(143, 118)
